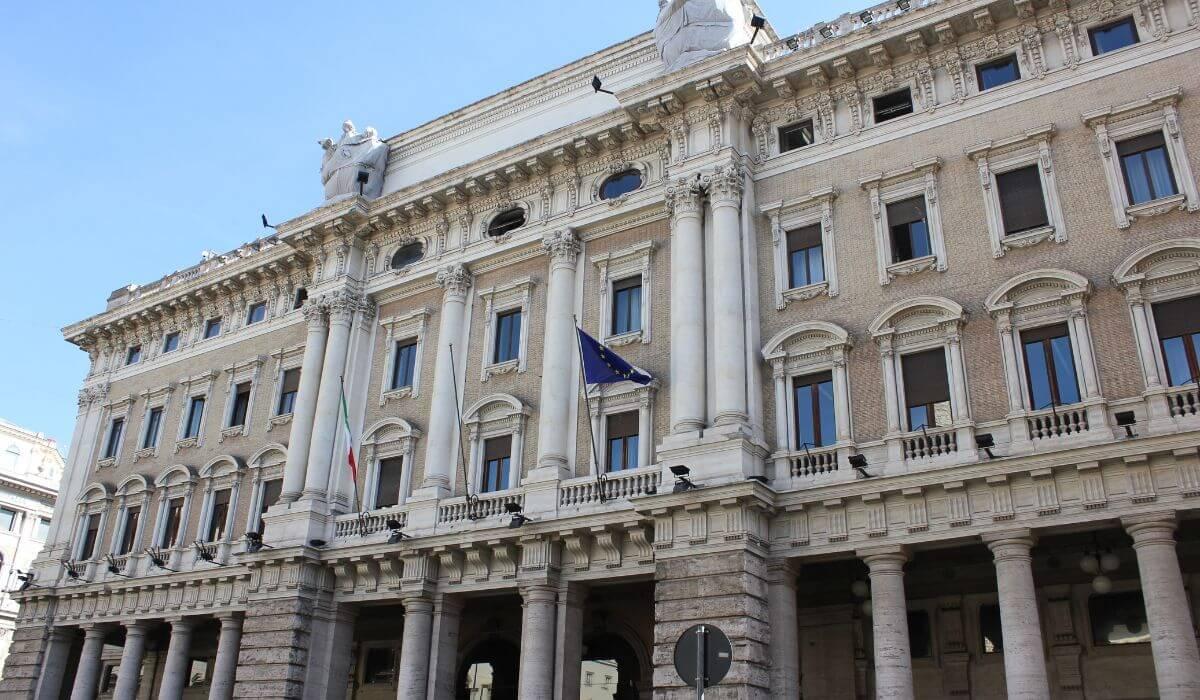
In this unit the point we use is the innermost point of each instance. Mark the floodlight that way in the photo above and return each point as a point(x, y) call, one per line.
point(986, 442)
point(859, 464)
point(682, 482)
point(1127, 419)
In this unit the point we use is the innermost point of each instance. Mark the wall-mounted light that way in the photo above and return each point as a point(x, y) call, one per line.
point(682, 482)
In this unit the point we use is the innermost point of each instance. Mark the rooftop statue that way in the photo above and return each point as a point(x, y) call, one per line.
point(692, 30)
point(347, 157)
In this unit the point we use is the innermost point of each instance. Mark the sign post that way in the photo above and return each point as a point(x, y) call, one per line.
point(703, 655)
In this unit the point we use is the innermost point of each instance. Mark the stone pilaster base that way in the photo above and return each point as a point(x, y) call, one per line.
point(24, 664)
point(275, 645)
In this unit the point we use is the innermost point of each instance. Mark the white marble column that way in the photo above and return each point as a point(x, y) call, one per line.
point(729, 309)
point(305, 408)
point(229, 644)
point(1024, 651)
point(129, 673)
point(1012, 372)
point(87, 673)
point(413, 680)
point(559, 354)
point(959, 407)
point(889, 622)
point(537, 641)
point(342, 307)
point(54, 663)
point(688, 373)
point(1145, 340)
point(1172, 637)
point(175, 669)
point(569, 631)
point(785, 629)
point(1091, 384)
point(443, 661)
point(841, 392)
point(891, 394)
point(441, 454)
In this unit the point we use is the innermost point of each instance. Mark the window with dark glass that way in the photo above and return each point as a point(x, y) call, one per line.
point(892, 105)
point(1113, 36)
point(115, 430)
point(1118, 618)
point(806, 261)
point(287, 392)
point(404, 363)
point(795, 136)
point(813, 396)
point(171, 342)
point(920, 634)
point(91, 537)
point(1050, 367)
point(195, 415)
point(257, 312)
point(407, 255)
point(506, 221)
point(907, 222)
point(212, 327)
point(42, 531)
point(497, 457)
point(133, 355)
point(387, 488)
point(133, 516)
point(508, 336)
point(8, 519)
point(153, 428)
point(379, 666)
point(301, 297)
point(627, 305)
point(1178, 326)
point(218, 516)
point(1147, 168)
point(621, 184)
point(926, 389)
point(990, 631)
point(999, 72)
point(108, 678)
point(170, 535)
point(622, 441)
point(271, 490)
point(241, 405)
point(1022, 205)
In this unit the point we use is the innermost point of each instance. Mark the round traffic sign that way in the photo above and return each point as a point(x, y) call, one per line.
point(703, 653)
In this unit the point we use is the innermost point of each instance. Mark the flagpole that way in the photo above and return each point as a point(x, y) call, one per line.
point(350, 446)
point(462, 453)
point(591, 433)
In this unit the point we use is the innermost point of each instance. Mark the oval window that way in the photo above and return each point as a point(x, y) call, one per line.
point(407, 255)
point(506, 221)
point(620, 184)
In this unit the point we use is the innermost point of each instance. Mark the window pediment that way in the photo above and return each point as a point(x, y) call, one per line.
point(1162, 269)
point(917, 319)
point(1040, 294)
point(808, 344)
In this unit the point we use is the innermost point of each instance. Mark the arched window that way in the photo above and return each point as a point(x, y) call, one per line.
point(621, 183)
point(506, 221)
point(496, 430)
point(407, 255)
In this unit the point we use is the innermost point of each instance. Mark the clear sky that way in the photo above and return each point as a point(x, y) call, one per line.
point(135, 135)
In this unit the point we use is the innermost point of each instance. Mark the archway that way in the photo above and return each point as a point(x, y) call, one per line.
point(489, 671)
point(611, 670)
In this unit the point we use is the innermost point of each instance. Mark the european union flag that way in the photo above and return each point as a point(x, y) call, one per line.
point(603, 366)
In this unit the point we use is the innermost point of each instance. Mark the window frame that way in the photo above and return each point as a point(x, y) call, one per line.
point(605, 400)
point(166, 344)
point(119, 408)
point(285, 359)
point(888, 92)
point(133, 354)
point(387, 439)
point(814, 208)
point(514, 296)
point(412, 325)
point(198, 386)
point(1012, 56)
point(265, 465)
point(1091, 29)
point(1052, 370)
point(252, 308)
point(496, 416)
point(920, 179)
point(217, 322)
point(613, 172)
point(501, 210)
point(781, 130)
point(815, 379)
point(1125, 174)
point(616, 266)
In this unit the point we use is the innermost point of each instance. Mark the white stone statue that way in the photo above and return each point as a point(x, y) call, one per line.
point(692, 30)
point(347, 157)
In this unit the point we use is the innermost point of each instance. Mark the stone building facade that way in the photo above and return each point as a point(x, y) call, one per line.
point(919, 289)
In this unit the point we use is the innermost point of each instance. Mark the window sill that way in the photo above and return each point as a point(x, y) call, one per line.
point(616, 341)
point(186, 443)
point(506, 367)
point(145, 453)
point(912, 267)
point(232, 432)
point(1027, 239)
point(1156, 207)
point(282, 419)
point(106, 462)
point(403, 392)
point(810, 291)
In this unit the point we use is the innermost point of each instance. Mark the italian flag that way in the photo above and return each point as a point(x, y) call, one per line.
point(350, 461)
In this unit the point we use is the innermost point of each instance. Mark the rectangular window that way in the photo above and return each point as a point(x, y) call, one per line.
point(508, 336)
point(815, 423)
point(171, 342)
point(219, 515)
point(999, 72)
point(170, 536)
point(271, 491)
point(622, 433)
point(198, 670)
point(907, 222)
point(806, 257)
point(892, 105)
point(153, 428)
point(1147, 168)
point(497, 457)
point(133, 516)
point(379, 666)
point(404, 364)
point(1118, 618)
point(212, 327)
point(195, 415)
point(920, 635)
point(42, 530)
point(1113, 36)
point(795, 136)
point(115, 430)
point(8, 519)
point(1178, 326)
point(241, 405)
point(133, 355)
point(627, 305)
point(256, 312)
point(387, 490)
point(990, 630)
point(287, 392)
point(1022, 204)
point(91, 537)
point(926, 389)
point(1050, 367)
point(301, 297)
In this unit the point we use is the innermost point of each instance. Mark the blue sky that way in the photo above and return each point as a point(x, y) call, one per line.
point(135, 135)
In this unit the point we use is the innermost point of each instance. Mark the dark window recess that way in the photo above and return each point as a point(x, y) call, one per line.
point(115, 430)
point(1022, 205)
point(497, 457)
point(171, 342)
point(133, 516)
point(795, 136)
point(508, 336)
point(1113, 36)
point(926, 389)
point(404, 364)
point(133, 355)
point(1050, 367)
point(212, 327)
point(1147, 168)
point(407, 255)
point(813, 396)
point(999, 72)
point(256, 313)
point(241, 405)
point(219, 515)
point(892, 105)
point(8, 519)
point(920, 635)
point(1118, 618)
point(91, 537)
point(301, 297)
point(627, 305)
point(195, 416)
point(621, 184)
point(806, 260)
point(1178, 326)
point(387, 489)
point(379, 666)
point(170, 535)
point(287, 393)
point(506, 221)
point(108, 678)
point(153, 428)
point(270, 496)
point(908, 224)
point(622, 441)
point(990, 631)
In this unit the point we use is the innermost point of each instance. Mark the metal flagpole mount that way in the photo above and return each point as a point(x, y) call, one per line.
point(703, 656)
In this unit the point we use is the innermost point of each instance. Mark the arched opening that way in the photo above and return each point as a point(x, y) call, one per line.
point(505, 221)
point(621, 183)
point(610, 669)
point(489, 671)
point(407, 255)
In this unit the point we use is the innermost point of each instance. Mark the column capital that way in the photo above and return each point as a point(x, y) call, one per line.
point(455, 280)
point(685, 197)
point(137, 628)
point(884, 559)
point(181, 624)
point(782, 571)
point(231, 619)
point(725, 185)
point(1151, 528)
point(92, 630)
point(342, 305)
point(1011, 544)
point(562, 246)
point(538, 593)
point(314, 315)
point(417, 603)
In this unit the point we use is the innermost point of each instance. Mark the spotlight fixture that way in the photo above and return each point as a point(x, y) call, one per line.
point(397, 532)
point(518, 518)
point(114, 569)
point(758, 23)
point(986, 442)
point(866, 16)
point(1127, 419)
point(859, 464)
point(26, 578)
point(156, 558)
point(903, 4)
point(682, 482)
point(363, 176)
point(826, 31)
point(265, 224)
point(207, 552)
point(317, 543)
point(598, 86)
point(73, 572)
point(254, 542)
